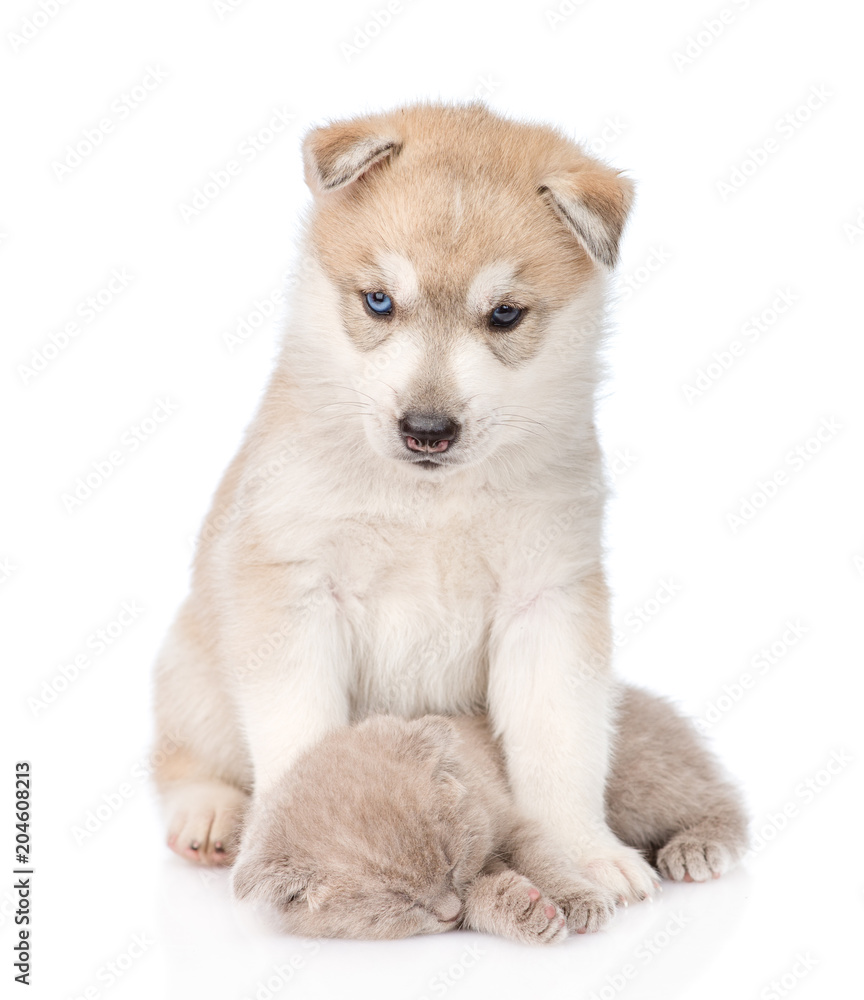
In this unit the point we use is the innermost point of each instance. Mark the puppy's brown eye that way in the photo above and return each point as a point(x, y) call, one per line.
point(505, 315)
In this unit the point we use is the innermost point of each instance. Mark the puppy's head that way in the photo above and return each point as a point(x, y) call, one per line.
point(457, 280)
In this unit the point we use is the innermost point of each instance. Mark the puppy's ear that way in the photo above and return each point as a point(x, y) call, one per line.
point(593, 201)
point(338, 154)
point(263, 877)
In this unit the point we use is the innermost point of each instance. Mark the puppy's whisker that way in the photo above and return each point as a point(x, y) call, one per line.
point(341, 402)
point(344, 416)
point(524, 425)
point(350, 388)
point(527, 430)
point(387, 385)
point(516, 406)
point(527, 420)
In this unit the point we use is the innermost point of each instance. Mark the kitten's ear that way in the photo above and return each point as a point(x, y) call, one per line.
point(338, 154)
point(593, 201)
point(263, 877)
point(433, 738)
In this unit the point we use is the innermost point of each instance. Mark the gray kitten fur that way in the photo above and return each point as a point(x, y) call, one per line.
point(394, 827)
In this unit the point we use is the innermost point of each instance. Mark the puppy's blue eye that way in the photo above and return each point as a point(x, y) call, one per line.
point(505, 315)
point(380, 303)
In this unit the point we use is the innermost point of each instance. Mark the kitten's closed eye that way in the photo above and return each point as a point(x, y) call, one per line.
point(406, 898)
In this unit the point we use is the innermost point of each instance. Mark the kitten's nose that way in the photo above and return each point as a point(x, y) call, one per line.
point(447, 907)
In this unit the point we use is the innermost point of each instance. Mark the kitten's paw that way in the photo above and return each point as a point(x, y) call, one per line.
point(204, 821)
point(689, 857)
point(621, 871)
point(523, 913)
point(586, 907)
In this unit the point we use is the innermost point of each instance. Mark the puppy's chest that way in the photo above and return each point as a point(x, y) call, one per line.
point(417, 600)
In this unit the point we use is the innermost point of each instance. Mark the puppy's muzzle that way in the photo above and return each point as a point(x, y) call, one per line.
point(428, 432)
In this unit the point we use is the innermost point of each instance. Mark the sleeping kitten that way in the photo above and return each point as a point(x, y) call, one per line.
point(393, 827)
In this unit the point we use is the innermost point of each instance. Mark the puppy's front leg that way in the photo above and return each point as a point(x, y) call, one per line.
point(550, 701)
point(290, 651)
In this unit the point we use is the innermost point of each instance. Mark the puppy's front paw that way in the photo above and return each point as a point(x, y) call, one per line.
point(621, 871)
point(586, 907)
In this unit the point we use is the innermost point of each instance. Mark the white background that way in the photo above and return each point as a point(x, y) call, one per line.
point(608, 72)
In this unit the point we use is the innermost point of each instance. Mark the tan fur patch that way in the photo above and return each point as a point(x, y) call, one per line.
point(457, 169)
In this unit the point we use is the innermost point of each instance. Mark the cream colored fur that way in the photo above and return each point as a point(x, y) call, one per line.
point(335, 579)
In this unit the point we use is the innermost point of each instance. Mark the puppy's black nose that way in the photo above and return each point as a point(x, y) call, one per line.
point(428, 431)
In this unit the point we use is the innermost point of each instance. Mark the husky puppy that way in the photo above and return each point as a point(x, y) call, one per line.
point(391, 828)
point(413, 522)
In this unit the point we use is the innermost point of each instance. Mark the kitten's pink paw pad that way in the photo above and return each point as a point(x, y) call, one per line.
point(528, 916)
